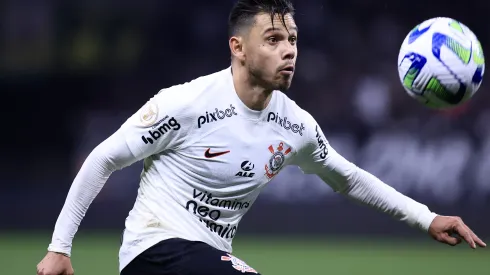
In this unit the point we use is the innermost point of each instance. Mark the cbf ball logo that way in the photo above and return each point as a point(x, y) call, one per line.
point(277, 159)
point(238, 264)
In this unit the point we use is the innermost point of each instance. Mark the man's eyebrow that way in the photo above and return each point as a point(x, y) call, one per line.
point(269, 29)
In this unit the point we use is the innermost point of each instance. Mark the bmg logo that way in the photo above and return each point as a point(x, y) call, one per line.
point(164, 128)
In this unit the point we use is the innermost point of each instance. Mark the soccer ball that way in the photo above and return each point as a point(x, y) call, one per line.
point(441, 63)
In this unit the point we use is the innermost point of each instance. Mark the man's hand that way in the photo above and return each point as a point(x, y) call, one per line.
point(452, 230)
point(55, 264)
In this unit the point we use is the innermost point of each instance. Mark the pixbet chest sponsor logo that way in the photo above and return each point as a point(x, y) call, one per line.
point(322, 144)
point(216, 115)
point(161, 130)
point(285, 123)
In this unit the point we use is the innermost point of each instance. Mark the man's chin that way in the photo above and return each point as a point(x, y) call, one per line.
point(284, 86)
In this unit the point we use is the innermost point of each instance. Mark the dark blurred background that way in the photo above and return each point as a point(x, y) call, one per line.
point(71, 72)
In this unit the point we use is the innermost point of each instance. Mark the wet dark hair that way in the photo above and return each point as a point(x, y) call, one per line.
point(243, 13)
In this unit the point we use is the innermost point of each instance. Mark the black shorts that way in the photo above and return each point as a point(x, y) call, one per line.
point(183, 257)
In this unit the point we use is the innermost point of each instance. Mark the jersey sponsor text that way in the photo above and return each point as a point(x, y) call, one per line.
point(161, 130)
point(285, 123)
point(216, 115)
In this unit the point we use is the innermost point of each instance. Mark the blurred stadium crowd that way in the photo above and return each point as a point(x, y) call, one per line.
point(73, 71)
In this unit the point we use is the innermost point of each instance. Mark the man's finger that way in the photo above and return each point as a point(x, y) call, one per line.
point(477, 240)
point(465, 234)
point(451, 240)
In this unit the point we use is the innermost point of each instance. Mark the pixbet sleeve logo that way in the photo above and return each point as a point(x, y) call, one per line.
point(322, 144)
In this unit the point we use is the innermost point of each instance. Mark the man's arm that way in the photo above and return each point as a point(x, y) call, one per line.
point(355, 183)
point(318, 157)
point(162, 123)
point(111, 155)
point(364, 187)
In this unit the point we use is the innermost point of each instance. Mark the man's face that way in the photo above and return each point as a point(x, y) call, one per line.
point(270, 51)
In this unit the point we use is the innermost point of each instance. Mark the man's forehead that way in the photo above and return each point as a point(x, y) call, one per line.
point(264, 23)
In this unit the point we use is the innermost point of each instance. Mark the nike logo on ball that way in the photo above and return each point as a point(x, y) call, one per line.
point(209, 155)
point(417, 33)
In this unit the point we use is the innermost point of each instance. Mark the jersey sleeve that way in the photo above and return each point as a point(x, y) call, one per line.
point(163, 123)
point(110, 155)
point(318, 157)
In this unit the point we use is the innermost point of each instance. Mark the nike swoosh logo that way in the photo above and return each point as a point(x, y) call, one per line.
point(417, 33)
point(209, 155)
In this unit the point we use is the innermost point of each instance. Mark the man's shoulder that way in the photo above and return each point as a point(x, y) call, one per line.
point(291, 109)
point(188, 96)
point(191, 90)
point(179, 102)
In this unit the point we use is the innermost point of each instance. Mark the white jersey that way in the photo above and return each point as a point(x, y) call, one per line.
point(206, 157)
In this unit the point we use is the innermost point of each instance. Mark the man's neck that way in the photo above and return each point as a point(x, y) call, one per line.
point(250, 93)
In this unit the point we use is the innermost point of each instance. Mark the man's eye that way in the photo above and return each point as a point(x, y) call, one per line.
point(272, 39)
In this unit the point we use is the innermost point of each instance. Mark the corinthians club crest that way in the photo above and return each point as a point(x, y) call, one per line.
point(277, 159)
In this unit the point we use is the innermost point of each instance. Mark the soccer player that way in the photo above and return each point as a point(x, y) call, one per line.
point(209, 147)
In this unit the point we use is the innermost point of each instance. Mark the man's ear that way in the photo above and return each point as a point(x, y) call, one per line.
point(237, 47)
